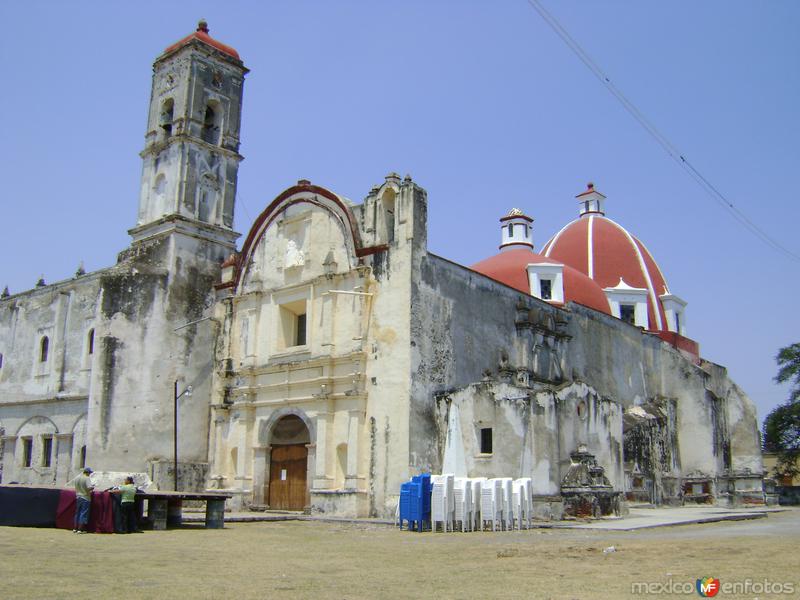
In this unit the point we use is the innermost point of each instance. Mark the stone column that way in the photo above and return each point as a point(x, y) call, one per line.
point(321, 479)
point(217, 471)
point(260, 471)
point(310, 465)
point(353, 431)
point(245, 420)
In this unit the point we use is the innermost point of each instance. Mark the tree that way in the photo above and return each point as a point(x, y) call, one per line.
point(782, 424)
point(788, 360)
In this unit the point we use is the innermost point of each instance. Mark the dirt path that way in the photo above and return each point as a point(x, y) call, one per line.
point(317, 560)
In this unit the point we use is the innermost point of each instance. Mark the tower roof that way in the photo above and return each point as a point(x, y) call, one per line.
point(201, 34)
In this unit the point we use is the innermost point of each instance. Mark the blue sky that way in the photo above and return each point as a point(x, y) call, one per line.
point(479, 101)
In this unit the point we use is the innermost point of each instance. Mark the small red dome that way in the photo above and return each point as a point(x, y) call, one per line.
point(607, 253)
point(511, 268)
point(202, 35)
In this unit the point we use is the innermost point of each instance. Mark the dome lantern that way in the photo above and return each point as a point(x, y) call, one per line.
point(590, 202)
point(516, 230)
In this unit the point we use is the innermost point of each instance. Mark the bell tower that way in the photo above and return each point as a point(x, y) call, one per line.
point(153, 317)
point(191, 156)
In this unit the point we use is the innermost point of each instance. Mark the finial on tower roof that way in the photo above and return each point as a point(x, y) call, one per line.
point(202, 25)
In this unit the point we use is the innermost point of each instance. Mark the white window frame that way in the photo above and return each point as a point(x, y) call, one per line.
point(624, 294)
point(674, 307)
point(538, 272)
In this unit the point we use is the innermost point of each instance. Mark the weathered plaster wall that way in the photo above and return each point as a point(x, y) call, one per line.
point(159, 285)
point(463, 330)
point(350, 377)
point(55, 391)
point(466, 327)
point(714, 416)
point(396, 215)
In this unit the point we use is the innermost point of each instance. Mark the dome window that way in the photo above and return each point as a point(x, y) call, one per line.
point(546, 289)
point(547, 281)
point(627, 312)
point(628, 303)
point(674, 308)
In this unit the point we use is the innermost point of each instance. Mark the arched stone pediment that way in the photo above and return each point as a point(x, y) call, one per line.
point(290, 249)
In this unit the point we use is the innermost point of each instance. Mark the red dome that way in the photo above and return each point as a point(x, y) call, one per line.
point(202, 35)
point(511, 268)
point(606, 252)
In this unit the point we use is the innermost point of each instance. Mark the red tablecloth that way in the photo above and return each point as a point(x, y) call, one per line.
point(101, 516)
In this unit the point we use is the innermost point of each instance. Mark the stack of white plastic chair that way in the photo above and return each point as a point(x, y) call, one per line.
point(523, 501)
point(507, 516)
point(476, 483)
point(491, 503)
point(442, 501)
point(462, 497)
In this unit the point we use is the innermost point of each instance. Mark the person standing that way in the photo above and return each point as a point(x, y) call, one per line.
point(127, 504)
point(83, 498)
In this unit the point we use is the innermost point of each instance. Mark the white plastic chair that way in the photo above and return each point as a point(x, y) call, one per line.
point(442, 501)
point(462, 497)
point(491, 503)
point(523, 501)
point(507, 516)
point(476, 483)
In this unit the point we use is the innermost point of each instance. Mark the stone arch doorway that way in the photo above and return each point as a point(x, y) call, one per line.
point(288, 464)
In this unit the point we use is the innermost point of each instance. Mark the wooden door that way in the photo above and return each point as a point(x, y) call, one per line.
point(287, 477)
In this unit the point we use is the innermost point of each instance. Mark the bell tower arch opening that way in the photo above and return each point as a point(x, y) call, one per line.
point(288, 465)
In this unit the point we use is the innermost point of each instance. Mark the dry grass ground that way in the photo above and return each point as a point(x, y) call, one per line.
point(323, 560)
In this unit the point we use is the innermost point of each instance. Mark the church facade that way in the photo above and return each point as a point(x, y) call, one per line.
point(330, 356)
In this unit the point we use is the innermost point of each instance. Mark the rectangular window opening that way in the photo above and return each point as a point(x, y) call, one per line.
point(293, 325)
point(83, 457)
point(27, 451)
point(627, 312)
point(47, 451)
point(546, 289)
point(486, 440)
point(300, 339)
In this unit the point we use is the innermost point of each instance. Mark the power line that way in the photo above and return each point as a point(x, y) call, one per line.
point(660, 138)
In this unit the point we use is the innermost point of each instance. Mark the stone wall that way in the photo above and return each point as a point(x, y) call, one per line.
point(45, 394)
point(598, 371)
